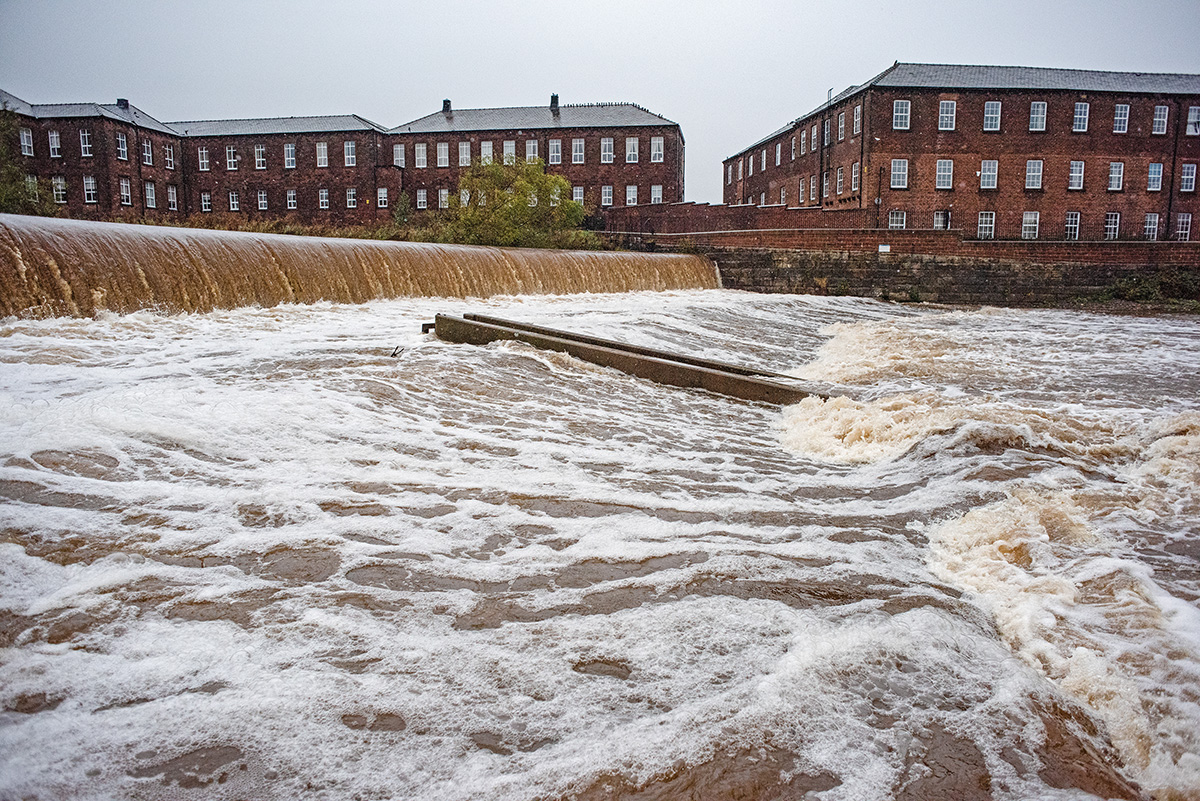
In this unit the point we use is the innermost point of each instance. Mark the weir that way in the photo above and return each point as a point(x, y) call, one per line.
point(71, 268)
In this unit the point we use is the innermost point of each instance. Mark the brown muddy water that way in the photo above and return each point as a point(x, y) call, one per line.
point(308, 552)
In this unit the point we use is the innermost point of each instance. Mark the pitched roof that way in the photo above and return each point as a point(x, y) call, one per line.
point(276, 125)
point(968, 76)
point(588, 115)
point(14, 103)
point(127, 113)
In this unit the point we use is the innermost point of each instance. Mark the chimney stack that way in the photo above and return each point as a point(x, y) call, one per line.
point(446, 106)
point(122, 103)
point(554, 103)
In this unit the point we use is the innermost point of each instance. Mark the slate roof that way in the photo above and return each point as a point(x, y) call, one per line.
point(130, 114)
point(276, 125)
point(591, 115)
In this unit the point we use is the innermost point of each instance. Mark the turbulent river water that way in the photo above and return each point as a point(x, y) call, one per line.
point(310, 552)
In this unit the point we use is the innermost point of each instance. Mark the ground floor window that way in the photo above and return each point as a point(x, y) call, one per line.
point(986, 228)
point(896, 218)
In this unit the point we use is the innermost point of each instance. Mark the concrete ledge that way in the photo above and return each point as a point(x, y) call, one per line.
point(658, 366)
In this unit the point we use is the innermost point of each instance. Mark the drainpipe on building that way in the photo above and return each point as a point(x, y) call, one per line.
point(1165, 228)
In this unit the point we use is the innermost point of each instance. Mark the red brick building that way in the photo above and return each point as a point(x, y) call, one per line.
point(115, 162)
point(614, 154)
point(996, 152)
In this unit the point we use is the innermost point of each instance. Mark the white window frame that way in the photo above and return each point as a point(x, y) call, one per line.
point(825, 184)
point(992, 110)
point(122, 147)
point(841, 126)
point(947, 115)
point(554, 152)
point(420, 155)
point(352, 197)
point(260, 157)
point(1183, 227)
point(1193, 121)
point(825, 130)
point(322, 198)
point(172, 198)
point(1121, 118)
point(206, 202)
point(349, 153)
point(606, 150)
point(531, 149)
point(793, 148)
point(1037, 115)
point(1112, 225)
point(577, 150)
point(291, 199)
point(422, 199)
point(985, 226)
point(1150, 227)
point(1159, 125)
point(803, 142)
point(202, 159)
point(812, 187)
point(899, 178)
point(323, 156)
point(464, 198)
point(1075, 176)
point(854, 171)
point(169, 156)
point(1079, 123)
point(1187, 178)
point(1116, 176)
point(1033, 174)
point(443, 154)
point(443, 198)
point(783, 196)
point(631, 195)
point(944, 178)
point(840, 181)
point(989, 173)
point(85, 142)
point(89, 189)
point(150, 194)
point(778, 153)
point(858, 119)
point(510, 151)
point(606, 196)
point(55, 142)
point(26, 141)
point(1154, 176)
point(1029, 225)
point(941, 220)
point(631, 150)
point(262, 200)
point(231, 158)
point(897, 220)
point(126, 189)
point(235, 200)
point(658, 150)
point(58, 185)
point(656, 195)
point(1071, 226)
point(577, 194)
point(398, 155)
point(486, 153)
point(289, 155)
point(147, 153)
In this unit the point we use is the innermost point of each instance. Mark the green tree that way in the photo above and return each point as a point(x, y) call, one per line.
point(17, 194)
point(513, 204)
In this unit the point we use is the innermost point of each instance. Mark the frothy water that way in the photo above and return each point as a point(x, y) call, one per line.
point(309, 552)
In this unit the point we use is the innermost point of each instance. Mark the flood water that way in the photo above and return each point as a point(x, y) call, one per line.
point(309, 552)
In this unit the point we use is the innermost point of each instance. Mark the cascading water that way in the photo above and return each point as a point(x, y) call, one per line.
point(308, 552)
point(51, 268)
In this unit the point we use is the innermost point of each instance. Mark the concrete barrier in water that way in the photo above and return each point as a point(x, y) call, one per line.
point(655, 365)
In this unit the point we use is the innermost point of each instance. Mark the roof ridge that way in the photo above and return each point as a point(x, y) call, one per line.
point(255, 119)
point(1024, 67)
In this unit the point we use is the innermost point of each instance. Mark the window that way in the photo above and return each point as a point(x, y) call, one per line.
point(351, 197)
point(1150, 228)
point(291, 198)
point(825, 184)
point(631, 150)
point(656, 193)
point(122, 147)
point(606, 150)
point(854, 177)
point(59, 185)
point(202, 158)
point(1033, 174)
point(728, 174)
point(262, 200)
point(148, 152)
point(812, 187)
point(657, 150)
point(419, 160)
point(606, 196)
point(841, 125)
point(1075, 178)
point(778, 153)
point(858, 119)
point(149, 195)
point(825, 138)
point(323, 198)
point(1079, 124)
point(1160, 120)
point(739, 169)
point(813, 138)
point(289, 155)
point(126, 188)
point(555, 154)
point(762, 198)
point(1193, 126)
point(793, 148)
point(260, 157)
point(1037, 115)
point(443, 154)
point(397, 155)
point(900, 173)
point(750, 162)
point(577, 194)
point(323, 155)
point(235, 203)
point(631, 195)
point(896, 219)
point(1154, 178)
point(172, 197)
point(510, 151)
point(988, 169)
point(1029, 225)
point(840, 182)
point(991, 115)
point(941, 220)
point(1116, 176)
point(89, 189)
point(26, 141)
point(1071, 231)
point(85, 142)
point(169, 156)
point(986, 228)
point(947, 110)
point(206, 201)
point(485, 152)
point(1187, 181)
point(531, 149)
point(443, 198)
point(945, 174)
point(783, 196)
point(803, 142)
point(1112, 225)
point(231, 157)
point(1183, 227)
point(1121, 118)
point(55, 145)
point(349, 156)
point(464, 198)
point(422, 201)
point(763, 162)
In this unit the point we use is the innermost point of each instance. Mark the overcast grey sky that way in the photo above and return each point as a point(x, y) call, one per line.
point(728, 73)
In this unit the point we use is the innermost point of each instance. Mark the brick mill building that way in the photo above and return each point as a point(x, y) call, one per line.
point(115, 162)
point(995, 152)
